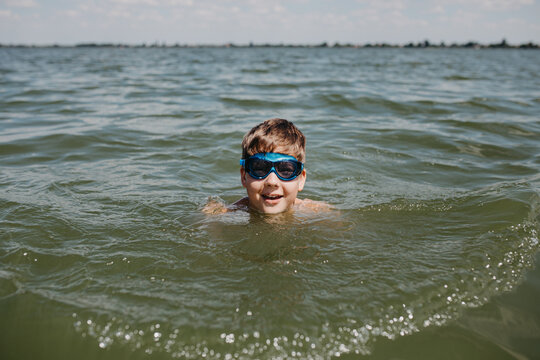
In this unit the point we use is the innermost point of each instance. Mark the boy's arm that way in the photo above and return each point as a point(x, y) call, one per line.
point(312, 205)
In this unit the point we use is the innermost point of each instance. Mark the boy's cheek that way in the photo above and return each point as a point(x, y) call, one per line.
point(243, 177)
point(302, 181)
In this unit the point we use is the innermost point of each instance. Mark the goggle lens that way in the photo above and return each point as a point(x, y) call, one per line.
point(259, 167)
point(287, 169)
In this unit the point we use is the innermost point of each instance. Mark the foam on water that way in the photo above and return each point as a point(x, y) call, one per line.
point(363, 303)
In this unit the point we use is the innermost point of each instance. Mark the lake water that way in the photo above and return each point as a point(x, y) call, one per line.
point(430, 158)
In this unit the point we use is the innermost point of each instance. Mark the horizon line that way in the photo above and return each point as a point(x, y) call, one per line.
point(422, 44)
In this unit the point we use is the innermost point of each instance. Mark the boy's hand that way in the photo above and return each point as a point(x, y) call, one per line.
point(214, 207)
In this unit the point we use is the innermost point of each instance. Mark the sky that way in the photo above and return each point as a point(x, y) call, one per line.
point(68, 22)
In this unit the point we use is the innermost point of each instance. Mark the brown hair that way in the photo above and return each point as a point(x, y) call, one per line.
point(275, 135)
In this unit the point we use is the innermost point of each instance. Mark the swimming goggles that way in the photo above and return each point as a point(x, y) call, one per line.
point(260, 165)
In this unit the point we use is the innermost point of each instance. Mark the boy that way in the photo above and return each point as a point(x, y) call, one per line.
point(272, 170)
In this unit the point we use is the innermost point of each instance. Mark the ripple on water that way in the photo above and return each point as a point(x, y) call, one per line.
point(379, 279)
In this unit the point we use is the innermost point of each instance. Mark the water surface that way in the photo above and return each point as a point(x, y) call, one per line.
point(430, 157)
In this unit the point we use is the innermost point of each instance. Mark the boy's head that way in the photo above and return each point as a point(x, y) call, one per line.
point(275, 135)
point(277, 173)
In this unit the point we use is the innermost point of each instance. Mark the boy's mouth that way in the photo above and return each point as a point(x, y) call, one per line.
point(271, 197)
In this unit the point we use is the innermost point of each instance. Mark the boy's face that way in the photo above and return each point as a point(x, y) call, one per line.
point(272, 195)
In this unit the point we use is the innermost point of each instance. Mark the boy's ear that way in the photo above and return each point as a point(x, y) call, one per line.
point(243, 176)
point(302, 180)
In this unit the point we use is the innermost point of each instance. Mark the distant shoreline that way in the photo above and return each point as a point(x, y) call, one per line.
point(419, 45)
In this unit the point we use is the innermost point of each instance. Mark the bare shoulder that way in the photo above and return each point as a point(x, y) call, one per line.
point(243, 203)
point(312, 205)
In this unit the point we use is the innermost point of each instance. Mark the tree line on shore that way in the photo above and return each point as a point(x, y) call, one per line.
point(422, 45)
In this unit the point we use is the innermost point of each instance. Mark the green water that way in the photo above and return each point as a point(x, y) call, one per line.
point(430, 158)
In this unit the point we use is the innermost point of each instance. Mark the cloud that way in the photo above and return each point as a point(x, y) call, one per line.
point(384, 5)
point(504, 4)
point(6, 14)
point(437, 9)
point(70, 13)
point(287, 21)
point(157, 3)
point(489, 5)
point(19, 3)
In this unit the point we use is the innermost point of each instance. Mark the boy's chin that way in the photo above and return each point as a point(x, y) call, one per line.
point(271, 210)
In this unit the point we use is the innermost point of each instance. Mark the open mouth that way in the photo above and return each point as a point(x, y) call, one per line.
point(272, 197)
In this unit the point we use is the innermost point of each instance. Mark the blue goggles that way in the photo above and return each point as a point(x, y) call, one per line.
point(260, 165)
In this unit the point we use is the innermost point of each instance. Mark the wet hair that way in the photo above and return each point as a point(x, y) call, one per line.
point(275, 135)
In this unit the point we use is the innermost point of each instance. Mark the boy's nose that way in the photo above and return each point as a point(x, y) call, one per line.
point(272, 179)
